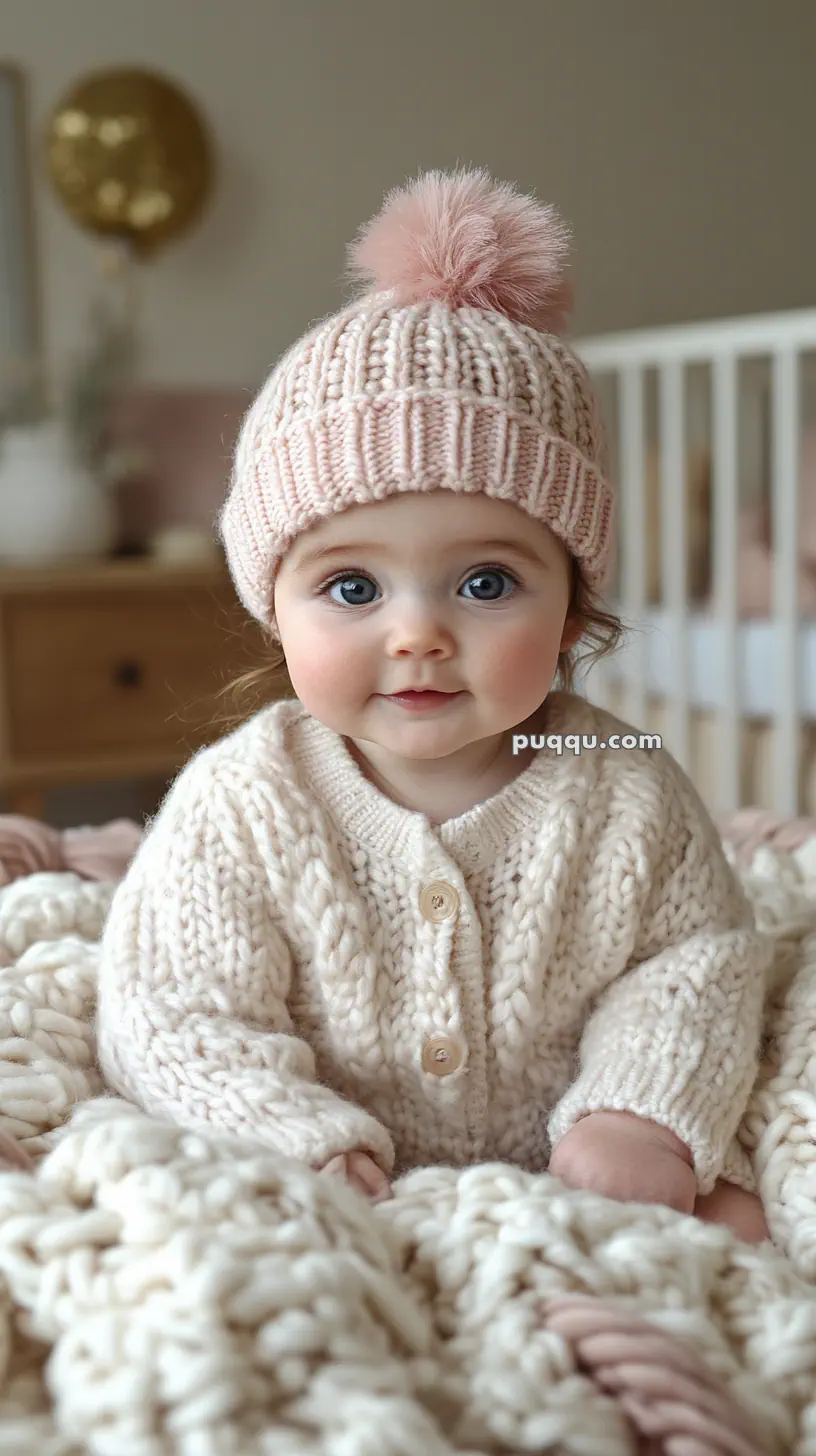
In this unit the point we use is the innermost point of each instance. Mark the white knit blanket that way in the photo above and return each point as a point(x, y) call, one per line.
point(164, 1294)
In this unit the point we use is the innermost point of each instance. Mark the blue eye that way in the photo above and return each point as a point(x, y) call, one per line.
point(353, 599)
point(353, 585)
point(488, 574)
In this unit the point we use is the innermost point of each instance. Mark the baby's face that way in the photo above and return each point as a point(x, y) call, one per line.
point(463, 594)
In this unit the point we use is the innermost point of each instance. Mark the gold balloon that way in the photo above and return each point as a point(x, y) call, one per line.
point(130, 157)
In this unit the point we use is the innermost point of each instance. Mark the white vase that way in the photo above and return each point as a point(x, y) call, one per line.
point(51, 508)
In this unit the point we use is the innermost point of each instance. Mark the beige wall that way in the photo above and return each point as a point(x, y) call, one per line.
point(676, 135)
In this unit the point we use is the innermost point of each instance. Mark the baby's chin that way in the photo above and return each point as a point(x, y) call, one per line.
point(426, 743)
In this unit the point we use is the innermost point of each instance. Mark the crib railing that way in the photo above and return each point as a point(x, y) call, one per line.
point(782, 340)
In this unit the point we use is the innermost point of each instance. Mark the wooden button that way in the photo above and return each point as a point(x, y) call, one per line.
point(438, 901)
point(441, 1056)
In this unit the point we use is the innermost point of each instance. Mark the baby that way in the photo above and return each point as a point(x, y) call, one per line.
point(394, 921)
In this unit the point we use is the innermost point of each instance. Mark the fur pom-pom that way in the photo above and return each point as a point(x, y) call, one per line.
point(465, 240)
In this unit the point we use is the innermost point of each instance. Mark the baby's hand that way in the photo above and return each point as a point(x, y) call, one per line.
point(626, 1158)
point(361, 1173)
point(12, 1156)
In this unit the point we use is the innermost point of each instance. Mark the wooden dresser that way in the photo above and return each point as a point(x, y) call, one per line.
point(113, 671)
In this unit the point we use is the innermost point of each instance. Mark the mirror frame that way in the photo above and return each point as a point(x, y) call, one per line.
point(18, 223)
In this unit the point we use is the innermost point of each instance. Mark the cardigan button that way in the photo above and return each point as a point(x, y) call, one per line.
point(438, 901)
point(442, 1056)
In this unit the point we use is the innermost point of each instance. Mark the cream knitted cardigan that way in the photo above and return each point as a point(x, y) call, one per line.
point(295, 959)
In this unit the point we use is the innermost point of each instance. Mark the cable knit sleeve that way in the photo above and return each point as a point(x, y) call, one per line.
point(676, 1037)
point(192, 1019)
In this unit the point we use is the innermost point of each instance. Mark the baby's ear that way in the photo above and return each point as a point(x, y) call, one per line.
point(573, 628)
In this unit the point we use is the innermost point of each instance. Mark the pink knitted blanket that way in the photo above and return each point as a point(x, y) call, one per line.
point(28, 847)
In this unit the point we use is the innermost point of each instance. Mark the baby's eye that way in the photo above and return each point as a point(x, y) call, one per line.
point(486, 584)
point(352, 587)
point(486, 581)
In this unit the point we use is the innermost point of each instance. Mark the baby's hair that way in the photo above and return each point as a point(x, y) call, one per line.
point(601, 631)
point(601, 634)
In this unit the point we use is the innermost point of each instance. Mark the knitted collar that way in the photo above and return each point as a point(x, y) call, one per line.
point(552, 786)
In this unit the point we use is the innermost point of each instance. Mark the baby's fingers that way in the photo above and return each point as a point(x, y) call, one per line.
point(337, 1167)
point(361, 1173)
point(369, 1178)
point(12, 1156)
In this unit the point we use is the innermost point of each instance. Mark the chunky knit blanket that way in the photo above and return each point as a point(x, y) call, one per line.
point(165, 1294)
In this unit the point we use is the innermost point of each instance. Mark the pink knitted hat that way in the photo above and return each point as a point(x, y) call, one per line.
point(448, 371)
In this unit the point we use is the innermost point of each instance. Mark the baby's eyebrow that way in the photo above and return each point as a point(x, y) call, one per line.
point(324, 553)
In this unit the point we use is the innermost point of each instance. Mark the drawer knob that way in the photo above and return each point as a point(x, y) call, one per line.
point(127, 674)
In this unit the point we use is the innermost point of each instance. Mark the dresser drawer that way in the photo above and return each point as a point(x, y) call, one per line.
point(120, 671)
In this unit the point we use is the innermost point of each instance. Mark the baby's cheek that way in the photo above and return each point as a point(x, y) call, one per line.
point(322, 671)
point(519, 660)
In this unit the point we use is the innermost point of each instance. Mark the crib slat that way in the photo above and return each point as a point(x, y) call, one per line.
point(633, 537)
point(725, 576)
point(785, 517)
point(674, 550)
point(749, 337)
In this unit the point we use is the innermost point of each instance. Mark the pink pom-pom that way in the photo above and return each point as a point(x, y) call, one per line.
point(467, 241)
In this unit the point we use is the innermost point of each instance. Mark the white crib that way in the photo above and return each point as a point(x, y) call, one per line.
point(734, 697)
